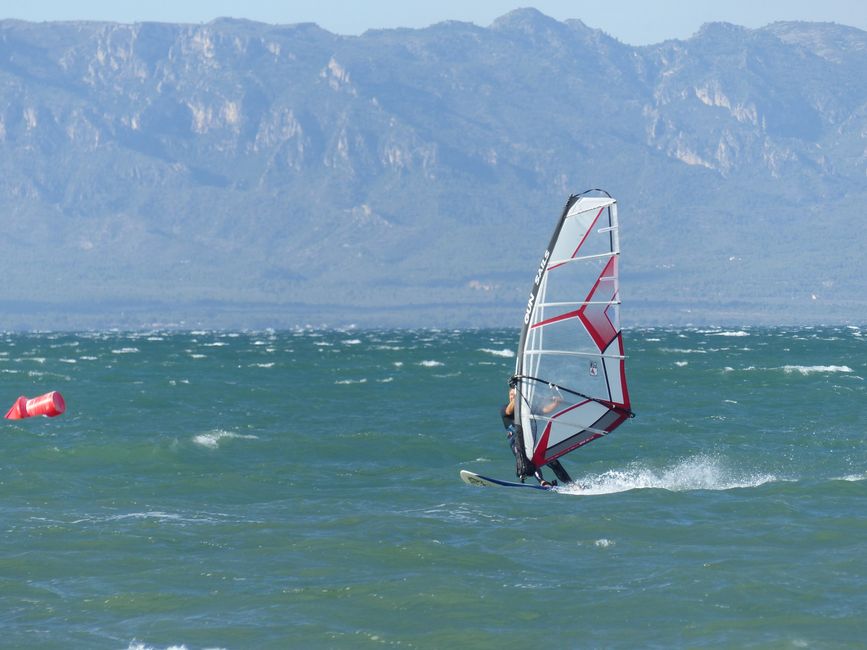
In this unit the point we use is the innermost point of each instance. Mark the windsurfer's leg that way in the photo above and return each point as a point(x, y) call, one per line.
point(537, 474)
point(560, 471)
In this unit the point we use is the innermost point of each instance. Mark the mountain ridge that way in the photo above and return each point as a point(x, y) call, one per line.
point(411, 177)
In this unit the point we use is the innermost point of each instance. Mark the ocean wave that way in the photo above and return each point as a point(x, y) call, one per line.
point(852, 477)
point(683, 351)
point(430, 364)
point(346, 382)
point(506, 353)
point(212, 439)
point(129, 350)
point(729, 333)
point(696, 473)
point(807, 370)
point(138, 645)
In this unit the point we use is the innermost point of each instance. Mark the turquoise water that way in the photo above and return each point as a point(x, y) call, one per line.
point(300, 489)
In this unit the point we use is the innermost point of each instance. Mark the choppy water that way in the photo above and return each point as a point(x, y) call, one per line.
point(300, 489)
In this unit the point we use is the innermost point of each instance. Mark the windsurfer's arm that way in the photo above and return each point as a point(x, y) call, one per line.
point(554, 403)
point(510, 407)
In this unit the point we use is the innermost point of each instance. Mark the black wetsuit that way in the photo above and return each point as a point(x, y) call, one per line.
point(559, 470)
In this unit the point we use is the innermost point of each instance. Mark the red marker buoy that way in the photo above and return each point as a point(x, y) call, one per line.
point(50, 404)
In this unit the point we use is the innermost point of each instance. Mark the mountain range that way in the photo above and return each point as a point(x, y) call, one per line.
point(245, 175)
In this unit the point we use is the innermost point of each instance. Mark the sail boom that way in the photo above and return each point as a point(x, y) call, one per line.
point(544, 418)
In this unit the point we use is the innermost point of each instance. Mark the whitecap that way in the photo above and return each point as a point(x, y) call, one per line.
point(506, 353)
point(125, 351)
point(681, 364)
point(733, 333)
point(212, 439)
point(262, 365)
point(683, 351)
point(430, 364)
point(138, 645)
point(346, 382)
point(807, 370)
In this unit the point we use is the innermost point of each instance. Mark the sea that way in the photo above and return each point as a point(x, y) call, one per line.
point(300, 489)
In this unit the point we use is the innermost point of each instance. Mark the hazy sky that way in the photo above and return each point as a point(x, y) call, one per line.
point(637, 22)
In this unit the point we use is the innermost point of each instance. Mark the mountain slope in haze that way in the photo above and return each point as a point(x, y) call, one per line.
point(246, 175)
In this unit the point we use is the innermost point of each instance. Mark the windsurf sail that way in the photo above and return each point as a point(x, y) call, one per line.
point(570, 376)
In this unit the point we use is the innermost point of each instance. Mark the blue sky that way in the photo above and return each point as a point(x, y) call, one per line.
point(638, 22)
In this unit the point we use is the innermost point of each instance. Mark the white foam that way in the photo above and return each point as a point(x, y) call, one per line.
point(346, 382)
point(125, 351)
point(430, 364)
point(807, 370)
point(499, 353)
point(736, 333)
point(683, 351)
point(138, 645)
point(212, 439)
point(681, 364)
point(696, 473)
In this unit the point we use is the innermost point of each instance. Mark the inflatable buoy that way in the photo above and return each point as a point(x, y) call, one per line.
point(50, 404)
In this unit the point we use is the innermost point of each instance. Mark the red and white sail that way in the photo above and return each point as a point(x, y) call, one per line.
point(570, 375)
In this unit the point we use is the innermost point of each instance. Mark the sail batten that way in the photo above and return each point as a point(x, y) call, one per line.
point(554, 264)
point(569, 374)
point(576, 353)
point(578, 303)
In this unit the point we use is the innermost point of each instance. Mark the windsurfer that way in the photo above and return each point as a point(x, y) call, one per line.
point(523, 466)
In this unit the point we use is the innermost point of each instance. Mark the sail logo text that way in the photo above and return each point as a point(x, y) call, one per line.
point(536, 282)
